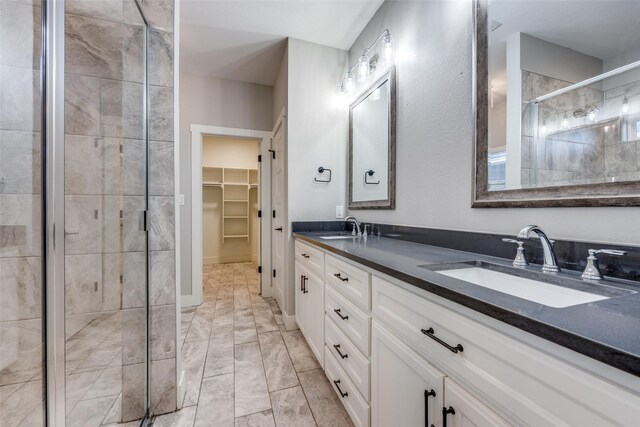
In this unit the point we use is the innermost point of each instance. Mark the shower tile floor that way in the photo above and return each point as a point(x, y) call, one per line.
point(242, 367)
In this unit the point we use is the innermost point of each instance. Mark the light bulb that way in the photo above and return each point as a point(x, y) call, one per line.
point(363, 68)
point(565, 123)
point(350, 83)
point(593, 114)
point(625, 107)
point(388, 49)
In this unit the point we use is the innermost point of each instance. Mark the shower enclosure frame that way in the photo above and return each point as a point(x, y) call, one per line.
point(52, 80)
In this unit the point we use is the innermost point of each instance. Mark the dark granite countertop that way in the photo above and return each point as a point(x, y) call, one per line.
point(606, 330)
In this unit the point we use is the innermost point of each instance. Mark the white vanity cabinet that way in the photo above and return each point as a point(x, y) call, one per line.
point(397, 355)
point(309, 297)
point(407, 391)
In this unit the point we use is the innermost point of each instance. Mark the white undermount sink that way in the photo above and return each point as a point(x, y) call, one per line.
point(521, 287)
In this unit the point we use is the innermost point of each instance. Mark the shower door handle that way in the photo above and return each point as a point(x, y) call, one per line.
point(144, 221)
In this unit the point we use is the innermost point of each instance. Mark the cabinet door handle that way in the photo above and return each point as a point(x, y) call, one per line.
point(304, 283)
point(301, 283)
point(445, 412)
point(337, 383)
point(339, 313)
point(305, 256)
point(337, 347)
point(427, 393)
point(344, 279)
point(429, 332)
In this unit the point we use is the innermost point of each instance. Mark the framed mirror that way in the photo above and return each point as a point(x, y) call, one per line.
point(372, 145)
point(557, 103)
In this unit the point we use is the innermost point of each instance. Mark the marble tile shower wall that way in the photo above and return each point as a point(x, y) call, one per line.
point(591, 153)
point(105, 187)
point(21, 332)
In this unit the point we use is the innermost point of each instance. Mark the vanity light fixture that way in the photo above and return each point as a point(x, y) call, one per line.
point(625, 106)
point(388, 49)
point(592, 114)
point(366, 65)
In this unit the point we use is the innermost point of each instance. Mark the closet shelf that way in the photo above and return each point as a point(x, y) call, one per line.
point(212, 184)
point(237, 236)
point(236, 217)
point(235, 201)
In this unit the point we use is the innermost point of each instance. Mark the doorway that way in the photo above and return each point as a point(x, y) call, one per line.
point(228, 201)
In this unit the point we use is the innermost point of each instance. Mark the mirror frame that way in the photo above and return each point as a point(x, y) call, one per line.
point(390, 201)
point(587, 195)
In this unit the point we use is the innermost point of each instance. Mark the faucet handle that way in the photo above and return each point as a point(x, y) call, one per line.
point(520, 260)
point(592, 270)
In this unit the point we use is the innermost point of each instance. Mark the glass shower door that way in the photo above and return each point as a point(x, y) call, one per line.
point(22, 332)
point(105, 198)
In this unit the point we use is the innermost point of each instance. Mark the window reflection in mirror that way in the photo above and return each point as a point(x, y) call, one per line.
point(564, 93)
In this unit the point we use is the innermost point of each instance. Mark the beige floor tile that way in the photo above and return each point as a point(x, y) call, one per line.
point(323, 400)
point(259, 419)
point(216, 407)
point(277, 364)
point(290, 408)
point(251, 391)
point(301, 355)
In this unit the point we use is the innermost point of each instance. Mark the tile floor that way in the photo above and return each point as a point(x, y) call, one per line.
point(243, 368)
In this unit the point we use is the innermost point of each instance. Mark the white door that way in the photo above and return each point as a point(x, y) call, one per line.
point(405, 389)
point(314, 292)
point(301, 299)
point(278, 212)
point(465, 410)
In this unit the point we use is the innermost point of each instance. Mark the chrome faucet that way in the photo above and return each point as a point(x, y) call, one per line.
point(550, 262)
point(355, 222)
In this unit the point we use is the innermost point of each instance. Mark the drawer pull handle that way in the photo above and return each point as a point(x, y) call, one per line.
point(429, 332)
point(337, 382)
point(305, 256)
point(344, 279)
point(427, 393)
point(339, 313)
point(337, 347)
point(445, 412)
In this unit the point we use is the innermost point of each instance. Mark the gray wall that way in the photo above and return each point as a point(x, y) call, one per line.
point(317, 123)
point(213, 102)
point(435, 131)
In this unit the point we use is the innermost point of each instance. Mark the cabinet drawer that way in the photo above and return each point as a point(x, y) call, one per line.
point(348, 393)
point(350, 281)
point(312, 258)
point(354, 363)
point(350, 319)
point(522, 384)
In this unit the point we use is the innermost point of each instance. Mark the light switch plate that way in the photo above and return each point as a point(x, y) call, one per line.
point(339, 212)
point(181, 199)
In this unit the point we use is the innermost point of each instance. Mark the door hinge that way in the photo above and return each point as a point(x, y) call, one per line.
point(260, 269)
point(274, 213)
point(259, 158)
point(259, 214)
point(273, 154)
point(274, 272)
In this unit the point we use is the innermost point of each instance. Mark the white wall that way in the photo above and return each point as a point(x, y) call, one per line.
point(435, 131)
point(316, 136)
point(213, 102)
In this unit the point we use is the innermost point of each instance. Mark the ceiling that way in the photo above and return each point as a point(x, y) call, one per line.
point(244, 40)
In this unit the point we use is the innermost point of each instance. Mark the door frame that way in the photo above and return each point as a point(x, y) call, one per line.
point(198, 132)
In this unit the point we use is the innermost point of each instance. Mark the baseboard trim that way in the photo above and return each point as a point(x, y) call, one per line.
point(289, 321)
point(189, 301)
